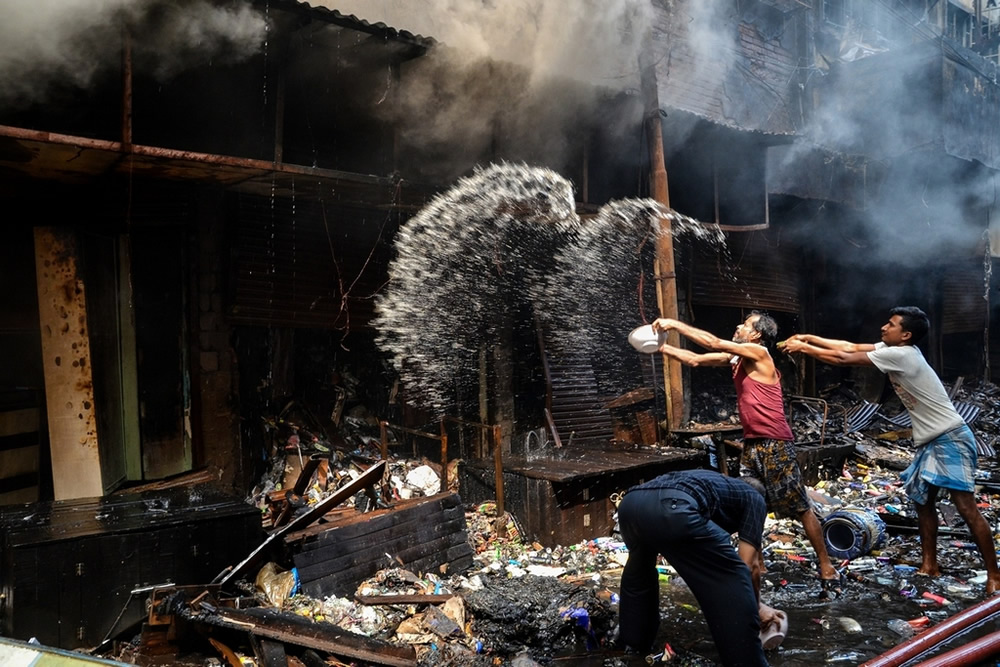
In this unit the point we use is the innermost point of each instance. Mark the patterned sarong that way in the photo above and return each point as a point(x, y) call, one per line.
point(948, 461)
point(774, 463)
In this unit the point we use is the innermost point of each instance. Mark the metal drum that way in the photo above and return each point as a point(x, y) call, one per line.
point(852, 532)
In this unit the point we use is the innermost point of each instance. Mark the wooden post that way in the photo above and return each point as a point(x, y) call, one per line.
point(444, 458)
point(126, 87)
point(383, 434)
point(498, 464)
point(666, 278)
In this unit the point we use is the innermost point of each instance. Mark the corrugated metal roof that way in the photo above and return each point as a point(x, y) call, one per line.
point(357, 23)
point(748, 87)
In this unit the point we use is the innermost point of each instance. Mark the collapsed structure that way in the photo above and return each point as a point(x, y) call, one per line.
point(208, 222)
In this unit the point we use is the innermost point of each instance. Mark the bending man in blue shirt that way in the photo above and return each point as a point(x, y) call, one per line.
point(688, 517)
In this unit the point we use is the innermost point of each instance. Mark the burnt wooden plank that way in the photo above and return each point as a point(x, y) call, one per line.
point(404, 599)
point(576, 465)
point(292, 629)
point(455, 559)
point(360, 524)
point(354, 552)
point(368, 563)
point(415, 529)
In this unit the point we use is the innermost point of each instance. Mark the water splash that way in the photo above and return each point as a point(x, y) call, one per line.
point(503, 242)
point(603, 284)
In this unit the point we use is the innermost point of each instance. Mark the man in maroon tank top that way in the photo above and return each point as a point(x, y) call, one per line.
point(768, 453)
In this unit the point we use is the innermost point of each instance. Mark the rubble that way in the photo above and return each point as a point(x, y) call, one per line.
point(515, 602)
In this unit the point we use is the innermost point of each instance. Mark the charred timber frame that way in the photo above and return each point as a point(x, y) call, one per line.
point(664, 269)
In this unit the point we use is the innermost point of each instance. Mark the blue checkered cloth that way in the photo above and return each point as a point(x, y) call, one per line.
point(948, 461)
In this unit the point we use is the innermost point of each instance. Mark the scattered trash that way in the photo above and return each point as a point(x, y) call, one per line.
point(901, 627)
point(516, 602)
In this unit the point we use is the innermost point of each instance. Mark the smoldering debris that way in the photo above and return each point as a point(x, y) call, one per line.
point(519, 603)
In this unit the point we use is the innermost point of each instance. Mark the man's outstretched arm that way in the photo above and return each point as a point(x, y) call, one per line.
point(835, 356)
point(830, 343)
point(689, 358)
point(710, 341)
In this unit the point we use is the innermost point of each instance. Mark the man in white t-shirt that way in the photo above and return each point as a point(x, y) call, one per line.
point(946, 448)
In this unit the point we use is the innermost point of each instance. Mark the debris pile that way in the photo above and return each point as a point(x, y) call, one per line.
point(513, 601)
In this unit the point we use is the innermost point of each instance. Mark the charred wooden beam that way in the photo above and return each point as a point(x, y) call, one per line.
point(292, 629)
point(422, 534)
point(405, 599)
point(370, 477)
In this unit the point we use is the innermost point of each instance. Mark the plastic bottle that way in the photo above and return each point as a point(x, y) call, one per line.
point(901, 628)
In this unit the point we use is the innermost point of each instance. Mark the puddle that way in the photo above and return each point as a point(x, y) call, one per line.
point(845, 631)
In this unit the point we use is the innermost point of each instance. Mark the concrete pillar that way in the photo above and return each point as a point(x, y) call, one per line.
point(69, 387)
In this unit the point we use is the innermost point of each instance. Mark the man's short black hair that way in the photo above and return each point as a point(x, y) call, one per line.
point(914, 320)
point(766, 327)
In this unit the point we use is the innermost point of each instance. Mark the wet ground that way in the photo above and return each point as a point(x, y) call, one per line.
point(847, 630)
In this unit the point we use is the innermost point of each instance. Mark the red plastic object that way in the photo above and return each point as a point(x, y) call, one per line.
point(936, 598)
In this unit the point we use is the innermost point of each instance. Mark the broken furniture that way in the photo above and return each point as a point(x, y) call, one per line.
point(721, 437)
point(426, 534)
point(365, 481)
point(185, 620)
point(69, 567)
point(565, 496)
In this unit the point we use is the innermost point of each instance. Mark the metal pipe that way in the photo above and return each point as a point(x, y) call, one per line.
point(826, 412)
point(937, 635)
point(969, 654)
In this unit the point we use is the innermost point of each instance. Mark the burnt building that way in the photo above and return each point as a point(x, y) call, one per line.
point(200, 220)
point(199, 224)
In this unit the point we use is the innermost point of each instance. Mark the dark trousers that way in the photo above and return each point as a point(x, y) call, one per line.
point(666, 521)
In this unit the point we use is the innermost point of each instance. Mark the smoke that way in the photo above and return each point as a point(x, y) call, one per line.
point(45, 44)
point(923, 186)
point(595, 41)
point(528, 74)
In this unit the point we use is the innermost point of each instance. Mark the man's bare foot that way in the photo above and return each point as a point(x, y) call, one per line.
point(932, 571)
point(993, 583)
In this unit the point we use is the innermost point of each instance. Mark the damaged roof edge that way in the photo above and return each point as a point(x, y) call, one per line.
point(351, 21)
point(666, 110)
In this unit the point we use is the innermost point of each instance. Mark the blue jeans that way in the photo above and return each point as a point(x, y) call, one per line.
point(667, 522)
